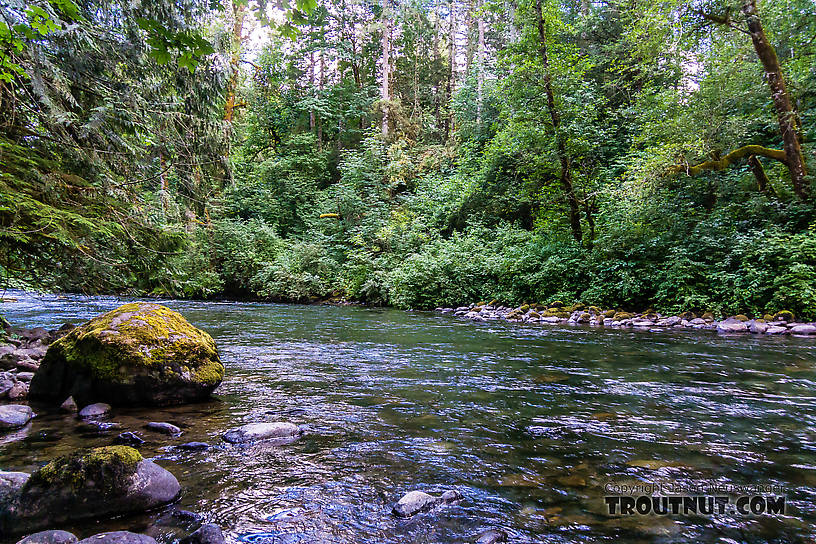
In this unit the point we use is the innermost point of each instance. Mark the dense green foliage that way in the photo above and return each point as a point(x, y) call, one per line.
point(145, 183)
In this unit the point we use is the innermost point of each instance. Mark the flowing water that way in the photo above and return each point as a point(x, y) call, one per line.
point(532, 424)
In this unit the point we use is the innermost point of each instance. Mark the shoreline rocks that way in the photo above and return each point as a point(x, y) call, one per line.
point(557, 313)
point(141, 354)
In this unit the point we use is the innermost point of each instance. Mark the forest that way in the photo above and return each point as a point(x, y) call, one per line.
point(413, 153)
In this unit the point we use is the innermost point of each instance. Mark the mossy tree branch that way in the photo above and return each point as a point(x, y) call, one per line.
point(722, 163)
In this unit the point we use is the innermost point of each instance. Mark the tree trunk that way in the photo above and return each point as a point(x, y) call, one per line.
point(386, 69)
point(563, 158)
point(480, 50)
point(452, 77)
point(785, 112)
point(311, 89)
point(237, 10)
point(321, 81)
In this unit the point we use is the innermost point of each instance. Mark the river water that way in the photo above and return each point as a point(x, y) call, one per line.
point(534, 425)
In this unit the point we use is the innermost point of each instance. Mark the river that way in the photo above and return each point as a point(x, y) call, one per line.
point(534, 425)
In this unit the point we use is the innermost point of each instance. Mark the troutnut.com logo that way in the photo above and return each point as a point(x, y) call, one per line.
point(697, 499)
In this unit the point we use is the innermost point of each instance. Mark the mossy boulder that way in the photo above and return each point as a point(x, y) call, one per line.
point(138, 354)
point(708, 316)
point(741, 317)
point(88, 484)
point(556, 304)
point(524, 307)
point(610, 313)
point(620, 316)
point(784, 315)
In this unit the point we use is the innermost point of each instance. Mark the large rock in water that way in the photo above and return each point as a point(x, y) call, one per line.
point(138, 354)
point(90, 484)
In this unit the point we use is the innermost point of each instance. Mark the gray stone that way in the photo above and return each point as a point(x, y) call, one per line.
point(492, 536)
point(803, 329)
point(13, 416)
point(10, 485)
point(777, 330)
point(99, 409)
point(262, 431)
point(25, 376)
point(118, 537)
point(18, 391)
point(414, 502)
point(69, 406)
point(5, 386)
point(209, 533)
point(50, 537)
point(163, 427)
point(758, 327)
point(730, 327)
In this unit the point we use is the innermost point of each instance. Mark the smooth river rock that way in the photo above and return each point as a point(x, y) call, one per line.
point(492, 536)
point(803, 329)
point(50, 537)
point(209, 533)
point(415, 502)
point(14, 416)
point(118, 537)
point(164, 428)
point(262, 431)
point(89, 484)
point(99, 409)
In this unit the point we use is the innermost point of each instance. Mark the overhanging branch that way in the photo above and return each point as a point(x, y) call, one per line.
point(731, 158)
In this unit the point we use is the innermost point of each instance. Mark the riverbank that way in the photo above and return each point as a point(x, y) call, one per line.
point(782, 323)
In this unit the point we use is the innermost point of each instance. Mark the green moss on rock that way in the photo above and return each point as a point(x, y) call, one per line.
point(784, 315)
point(140, 353)
point(609, 313)
point(108, 469)
point(708, 316)
point(741, 317)
point(620, 316)
point(556, 304)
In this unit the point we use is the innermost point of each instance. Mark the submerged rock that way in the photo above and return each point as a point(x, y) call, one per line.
point(89, 484)
point(262, 431)
point(164, 428)
point(193, 446)
point(415, 502)
point(119, 537)
point(209, 533)
point(129, 438)
point(138, 354)
point(492, 536)
point(50, 537)
point(14, 416)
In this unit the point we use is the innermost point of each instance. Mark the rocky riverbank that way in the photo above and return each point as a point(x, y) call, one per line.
point(558, 313)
